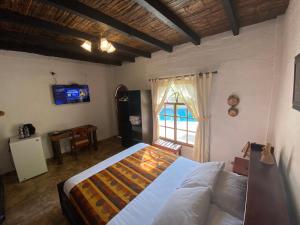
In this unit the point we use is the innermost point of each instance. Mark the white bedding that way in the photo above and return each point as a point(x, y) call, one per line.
point(144, 208)
point(186, 206)
point(217, 216)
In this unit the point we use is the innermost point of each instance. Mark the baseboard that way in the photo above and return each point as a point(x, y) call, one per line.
point(109, 138)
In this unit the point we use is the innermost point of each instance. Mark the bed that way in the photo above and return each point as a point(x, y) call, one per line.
point(144, 204)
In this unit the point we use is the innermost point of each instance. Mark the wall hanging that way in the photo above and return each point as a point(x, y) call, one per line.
point(233, 101)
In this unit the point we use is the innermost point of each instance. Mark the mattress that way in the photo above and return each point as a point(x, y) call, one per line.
point(144, 207)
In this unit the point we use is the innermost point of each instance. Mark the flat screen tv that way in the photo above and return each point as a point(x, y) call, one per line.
point(66, 94)
point(296, 94)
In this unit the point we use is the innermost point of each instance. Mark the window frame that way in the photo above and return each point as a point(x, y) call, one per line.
point(175, 105)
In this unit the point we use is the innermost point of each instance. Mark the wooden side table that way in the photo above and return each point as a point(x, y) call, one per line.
point(168, 145)
point(241, 166)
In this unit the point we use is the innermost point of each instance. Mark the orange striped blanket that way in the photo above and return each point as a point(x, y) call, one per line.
point(100, 197)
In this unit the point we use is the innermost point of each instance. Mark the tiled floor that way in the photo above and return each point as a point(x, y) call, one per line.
point(36, 200)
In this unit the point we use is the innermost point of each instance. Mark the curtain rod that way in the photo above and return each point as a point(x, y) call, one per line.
point(200, 74)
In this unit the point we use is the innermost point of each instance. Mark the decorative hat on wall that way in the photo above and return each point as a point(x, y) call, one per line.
point(233, 101)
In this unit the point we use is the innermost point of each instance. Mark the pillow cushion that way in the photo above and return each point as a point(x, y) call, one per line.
point(218, 217)
point(230, 193)
point(186, 206)
point(205, 175)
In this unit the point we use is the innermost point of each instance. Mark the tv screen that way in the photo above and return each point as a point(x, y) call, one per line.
point(65, 94)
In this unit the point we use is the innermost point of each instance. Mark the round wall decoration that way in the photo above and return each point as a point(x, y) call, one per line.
point(233, 111)
point(233, 100)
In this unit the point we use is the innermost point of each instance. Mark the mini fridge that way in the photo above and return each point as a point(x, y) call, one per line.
point(28, 157)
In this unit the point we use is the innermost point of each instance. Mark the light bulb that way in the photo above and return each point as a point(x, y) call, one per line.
point(111, 49)
point(87, 45)
point(104, 44)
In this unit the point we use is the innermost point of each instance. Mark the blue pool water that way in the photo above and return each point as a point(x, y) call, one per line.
point(180, 112)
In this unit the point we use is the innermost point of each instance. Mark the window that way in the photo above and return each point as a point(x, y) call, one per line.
point(176, 122)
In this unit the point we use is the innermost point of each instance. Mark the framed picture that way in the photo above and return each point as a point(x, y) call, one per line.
point(296, 93)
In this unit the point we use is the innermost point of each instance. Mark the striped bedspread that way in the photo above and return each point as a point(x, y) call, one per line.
point(100, 197)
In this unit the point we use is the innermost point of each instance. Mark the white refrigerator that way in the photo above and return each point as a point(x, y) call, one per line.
point(28, 157)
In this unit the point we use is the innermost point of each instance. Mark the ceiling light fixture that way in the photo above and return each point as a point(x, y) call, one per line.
point(106, 46)
point(87, 45)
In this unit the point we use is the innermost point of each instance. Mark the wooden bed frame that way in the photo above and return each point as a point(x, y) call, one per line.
point(266, 202)
point(67, 208)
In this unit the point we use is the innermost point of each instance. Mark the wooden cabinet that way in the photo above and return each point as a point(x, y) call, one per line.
point(135, 117)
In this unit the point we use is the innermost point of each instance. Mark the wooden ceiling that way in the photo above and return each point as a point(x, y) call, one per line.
point(135, 27)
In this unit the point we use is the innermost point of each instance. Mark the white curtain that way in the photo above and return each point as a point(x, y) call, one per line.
point(159, 92)
point(195, 92)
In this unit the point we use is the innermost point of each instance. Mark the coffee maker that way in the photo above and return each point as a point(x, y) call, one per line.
point(26, 130)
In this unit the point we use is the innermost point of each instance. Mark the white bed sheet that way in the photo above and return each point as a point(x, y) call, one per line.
point(144, 208)
point(217, 216)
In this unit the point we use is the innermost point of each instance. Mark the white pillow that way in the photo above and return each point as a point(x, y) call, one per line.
point(230, 193)
point(186, 206)
point(205, 175)
point(219, 217)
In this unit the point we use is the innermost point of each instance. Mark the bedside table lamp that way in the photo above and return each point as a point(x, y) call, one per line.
point(266, 155)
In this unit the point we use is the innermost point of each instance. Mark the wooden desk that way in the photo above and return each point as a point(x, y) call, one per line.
point(55, 138)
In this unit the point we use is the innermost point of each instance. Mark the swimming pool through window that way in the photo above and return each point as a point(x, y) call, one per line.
point(176, 122)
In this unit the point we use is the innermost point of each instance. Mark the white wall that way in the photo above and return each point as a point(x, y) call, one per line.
point(245, 66)
point(26, 97)
point(284, 131)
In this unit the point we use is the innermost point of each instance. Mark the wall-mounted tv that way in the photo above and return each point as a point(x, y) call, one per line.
point(66, 94)
point(296, 94)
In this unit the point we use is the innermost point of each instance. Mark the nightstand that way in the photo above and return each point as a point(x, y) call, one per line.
point(241, 166)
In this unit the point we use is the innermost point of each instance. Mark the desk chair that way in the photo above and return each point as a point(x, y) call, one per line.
point(80, 139)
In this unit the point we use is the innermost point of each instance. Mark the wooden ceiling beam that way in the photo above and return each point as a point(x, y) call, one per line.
point(19, 47)
point(9, 16)
point(32, 43)
point(42, 41)
point(131, 50)
point(163, 13)
point(230, 12)
point(85, 11)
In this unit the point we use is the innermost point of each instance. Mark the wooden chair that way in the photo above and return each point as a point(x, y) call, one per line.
point(80, 139)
